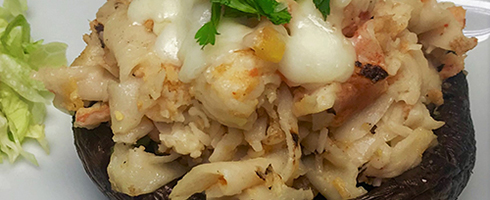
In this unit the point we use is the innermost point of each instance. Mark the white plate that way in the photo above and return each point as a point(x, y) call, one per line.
point(478, 66)
point(61, 175)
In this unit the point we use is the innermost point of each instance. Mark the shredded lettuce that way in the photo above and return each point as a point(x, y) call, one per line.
point(51, 54)
point(12, 8)
point(22, 99)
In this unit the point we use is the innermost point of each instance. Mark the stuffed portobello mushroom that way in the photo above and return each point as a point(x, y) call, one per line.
point(272, 99)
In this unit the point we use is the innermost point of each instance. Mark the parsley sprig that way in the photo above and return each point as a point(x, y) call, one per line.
point(207, 33)
point(323, 6)
point(276, 12)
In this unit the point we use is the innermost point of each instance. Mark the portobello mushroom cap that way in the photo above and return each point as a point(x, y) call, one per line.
point(443, 173)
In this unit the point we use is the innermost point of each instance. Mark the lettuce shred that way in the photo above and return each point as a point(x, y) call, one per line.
point(22, 99)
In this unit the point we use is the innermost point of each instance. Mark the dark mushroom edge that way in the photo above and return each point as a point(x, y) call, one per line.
point(443, 173)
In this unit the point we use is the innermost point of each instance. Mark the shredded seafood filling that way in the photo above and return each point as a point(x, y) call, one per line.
point(315, 105)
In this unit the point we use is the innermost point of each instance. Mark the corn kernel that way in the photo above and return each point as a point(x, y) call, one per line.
point(269, 45)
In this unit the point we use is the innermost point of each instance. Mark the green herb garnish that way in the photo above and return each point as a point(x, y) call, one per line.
point(207, 33)
point(276, 12)
point(323, 6)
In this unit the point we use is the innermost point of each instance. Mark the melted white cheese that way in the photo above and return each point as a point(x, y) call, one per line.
point(168, 44)
point(176, 23)
point(169, 18)
point(197, 59)
point(315, 52)
point(191, 52)
point(157, 10)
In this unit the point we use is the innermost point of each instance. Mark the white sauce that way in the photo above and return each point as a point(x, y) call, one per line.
point(196, 59)
point(157, 10)
point(168, 44)
point(315, 52)
point(169, 17)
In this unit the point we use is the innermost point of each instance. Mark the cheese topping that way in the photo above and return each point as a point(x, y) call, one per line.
point(196, 59)
point(157, 10)
point(316, 52)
